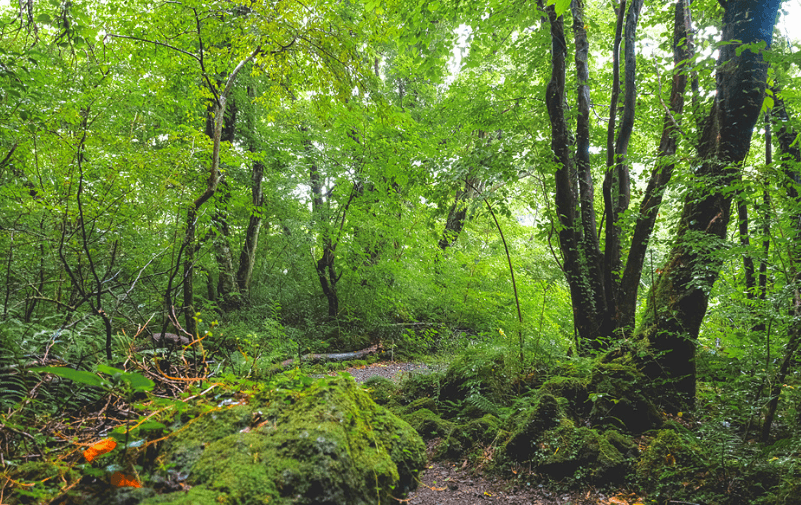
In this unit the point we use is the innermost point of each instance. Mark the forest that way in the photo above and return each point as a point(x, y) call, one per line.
point(579, 221)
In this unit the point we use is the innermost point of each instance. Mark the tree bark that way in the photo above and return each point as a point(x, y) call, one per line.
point(788, 144)
point(457, 215)
point(661, 174)
point(681, 293)
point(212, 182)
point(247, 258)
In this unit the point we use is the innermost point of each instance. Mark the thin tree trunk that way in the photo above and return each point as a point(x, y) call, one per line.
point(662, 172)
point(788, 143)
point(212, 182)
point(617, 193)
point(247, 258)
point(227, 288)
point(589, 239)
point(585, 315)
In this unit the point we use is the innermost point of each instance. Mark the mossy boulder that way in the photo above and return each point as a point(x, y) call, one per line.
point(620, 399)
point(428, 424)
point(383, 391)
point(481, 375)
point(583, 454)
point(467, 436)
point(671, 463)
point(573, 389)
point(528, 425)
point(302, 442)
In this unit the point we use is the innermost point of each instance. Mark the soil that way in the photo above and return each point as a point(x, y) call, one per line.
point(454, 483)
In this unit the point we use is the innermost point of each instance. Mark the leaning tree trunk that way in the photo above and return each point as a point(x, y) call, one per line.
point(681, 294)
point(215, 175)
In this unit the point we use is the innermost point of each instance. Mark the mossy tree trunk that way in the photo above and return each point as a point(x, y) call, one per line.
point(681, 294)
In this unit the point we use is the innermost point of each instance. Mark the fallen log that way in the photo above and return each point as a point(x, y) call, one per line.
point(337, 356)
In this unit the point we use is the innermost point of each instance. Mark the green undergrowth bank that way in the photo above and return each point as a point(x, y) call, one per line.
point(292, 439)
point(586, 423)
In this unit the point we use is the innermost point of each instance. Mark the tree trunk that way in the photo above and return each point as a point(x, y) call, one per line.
point(227, 288)
point(247, 258)
point(591, 274)
point(681, 293)
point(211, 186)
point(788, 143)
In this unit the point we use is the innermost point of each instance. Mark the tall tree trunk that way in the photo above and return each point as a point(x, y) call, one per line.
point(662, 172)
point(213, 180)
point(227, 288)
point(681, 293)
point(589, 235)
point(788, 143)
point(326, 271)
point(247, 258)
point(584, 314)
point(590, 273)
point(617, 185)
point(457, 215)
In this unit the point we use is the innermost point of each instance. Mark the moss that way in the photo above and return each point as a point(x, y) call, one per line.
point(194, 496)
point(382, 390)
point(428, 424)
point(417, 386)
point(422, 403)
point(465, 437)
point(671, 463)
point(305, 442)
point(619, 399)
point(483, 377)
point(530, 424)
point(571, 388)
point(582, 454)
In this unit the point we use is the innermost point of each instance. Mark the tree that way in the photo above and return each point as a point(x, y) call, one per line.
point(679, 299)
point(603, 290)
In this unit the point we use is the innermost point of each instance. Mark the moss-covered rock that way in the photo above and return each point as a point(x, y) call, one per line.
point(418, 386)
point(428, 424)
point(571, 388)
point(581, 453)
point(619, 400)
point(671, 463)
point(482, 377)
point(470, 435)
point(382, 390)
point(542, 416)
point(320, 442)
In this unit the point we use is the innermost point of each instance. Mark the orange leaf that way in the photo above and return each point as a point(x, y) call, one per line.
point(98, 449)
point(119, 479)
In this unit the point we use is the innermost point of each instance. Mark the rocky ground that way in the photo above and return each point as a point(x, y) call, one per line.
point(454, 483)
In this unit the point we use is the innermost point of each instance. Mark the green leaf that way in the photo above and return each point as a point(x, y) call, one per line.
point(767, 104)
point(152, 425)
point(79, 376)
point(109, 370)
point(139, 382)
point(43, 18)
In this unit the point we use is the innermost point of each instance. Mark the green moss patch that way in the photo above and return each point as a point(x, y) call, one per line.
point(302, 441)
